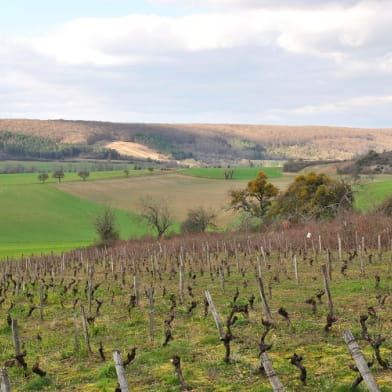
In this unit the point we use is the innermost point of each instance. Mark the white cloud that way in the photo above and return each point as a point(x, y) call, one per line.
point(349, 36)
point(224, 4)
point(332, 108)
point(281, 64)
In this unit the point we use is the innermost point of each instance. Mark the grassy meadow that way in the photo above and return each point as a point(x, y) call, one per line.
point(32, 178)
point(240, 173)
point(370, 195)
point(39, 217)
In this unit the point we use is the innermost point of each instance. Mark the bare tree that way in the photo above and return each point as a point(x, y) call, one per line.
point(198, 220)
point(105, 226)
point(157, 214)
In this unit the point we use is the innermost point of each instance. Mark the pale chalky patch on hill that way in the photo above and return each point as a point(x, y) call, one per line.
point(136, 150)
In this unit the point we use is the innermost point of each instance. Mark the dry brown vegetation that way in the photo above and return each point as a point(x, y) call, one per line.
point(136, 150)
point(310, 142)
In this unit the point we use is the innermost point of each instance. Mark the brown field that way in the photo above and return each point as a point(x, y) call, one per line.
point(308, 142)
point(181, 192)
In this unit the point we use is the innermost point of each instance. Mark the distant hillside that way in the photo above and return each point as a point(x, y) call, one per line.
point(212, 143)
point(14, 145)
point(370, 163)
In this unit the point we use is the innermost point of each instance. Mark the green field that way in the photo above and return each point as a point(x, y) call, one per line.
point(240, 173)
point(16, 249)
point(32, 178)
point(36, 166)
point(42, 218)
point(368, 196)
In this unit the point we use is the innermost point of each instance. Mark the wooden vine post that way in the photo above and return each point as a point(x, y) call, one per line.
point(215, 314)
point(151, 313)
point(4, 381)
point(271, 373)
point(15, 336)
point(181, 282)
point(360, 362)
point(41, 302)
point(264, 300)
point(295, 264)
point(136, 289)
point(328, 292)
point(379, 249)
point(340, 248)
point(118, 363)
point(329, 264)
point(85, 330)
point(76, 332)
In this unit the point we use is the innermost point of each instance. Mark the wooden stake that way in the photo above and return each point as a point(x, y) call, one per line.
point(15, 336)
point(379, 250)
point(360, 362)
point(181, 283)
point(76, 330)
point(136, 289)
point(215, 314)
point(328, 292)
point(295, 263)
point(85, 330)
point(4, 381)
point(264, 300)
point(222, 277)
point(41, 302)
point(118, 363)
point(329, 264)
point(151, 313)
point(90, 289)
point(271, 374)
point(340, 248)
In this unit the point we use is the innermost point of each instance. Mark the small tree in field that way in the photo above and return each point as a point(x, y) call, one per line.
point(157, 214)
point(43, 177)
point(198, 221)
point(59, 174)
point(83, 174)
point(256, 198)
point(105, 226)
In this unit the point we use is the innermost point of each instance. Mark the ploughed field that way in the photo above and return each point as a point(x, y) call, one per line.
point(46, 296)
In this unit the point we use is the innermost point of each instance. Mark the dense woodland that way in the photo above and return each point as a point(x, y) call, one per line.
point(18, 146)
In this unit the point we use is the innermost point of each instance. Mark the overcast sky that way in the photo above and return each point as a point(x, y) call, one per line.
point(229, 61)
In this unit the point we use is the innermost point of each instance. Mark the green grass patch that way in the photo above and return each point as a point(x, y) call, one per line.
point(40, 218)
point(240, 173)
point(370, 195)
point(32, 178)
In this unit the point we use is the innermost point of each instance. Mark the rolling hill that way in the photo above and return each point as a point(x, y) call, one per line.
point(211, 143)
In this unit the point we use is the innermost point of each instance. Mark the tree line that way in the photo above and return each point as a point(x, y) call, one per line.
point(28, 146)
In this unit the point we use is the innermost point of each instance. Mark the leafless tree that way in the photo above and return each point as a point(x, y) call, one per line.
point(105, 226)
point(198, 220)
point(157, 214)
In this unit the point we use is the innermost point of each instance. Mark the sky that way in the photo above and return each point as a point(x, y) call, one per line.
point(289, 62)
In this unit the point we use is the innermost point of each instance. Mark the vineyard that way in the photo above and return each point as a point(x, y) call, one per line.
point(202, 313)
